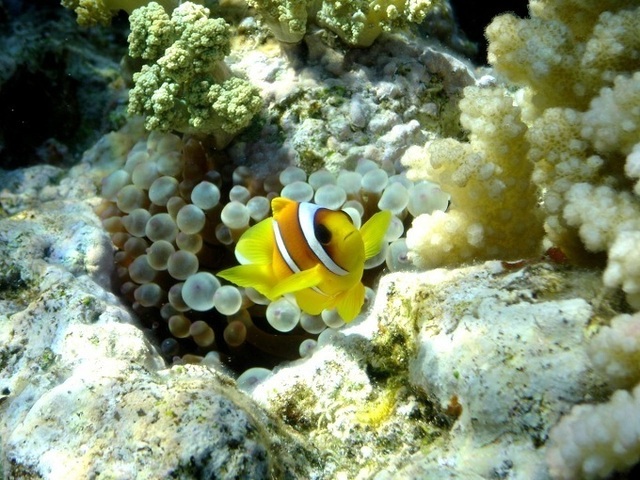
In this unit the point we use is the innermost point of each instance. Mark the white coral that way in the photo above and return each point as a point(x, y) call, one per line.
point(595, 440)
point(615, 351)
point(612, 122)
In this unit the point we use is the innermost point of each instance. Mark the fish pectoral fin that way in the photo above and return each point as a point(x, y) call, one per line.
point(350, 302)
point(256, 244)
point(373, 232)
point(298, 281)
point(259, 277)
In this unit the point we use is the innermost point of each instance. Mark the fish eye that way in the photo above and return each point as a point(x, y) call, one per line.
point(322, 233)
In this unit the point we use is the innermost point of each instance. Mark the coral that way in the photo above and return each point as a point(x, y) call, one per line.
point(94, 12)
point(615, 351)
point(594, 440)
point(488, 179)
point(287, 19)
point(186, 86)
point(578, 110)
point(360, 22)
point(567, 51)
point(357, 23)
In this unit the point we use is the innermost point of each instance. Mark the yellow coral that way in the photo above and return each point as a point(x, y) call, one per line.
point(493, 203)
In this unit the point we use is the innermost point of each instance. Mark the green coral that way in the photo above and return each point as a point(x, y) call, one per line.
point(357, 23)
point(186, 86)
point(94, 12)
point(287, 19)
point(360, 22)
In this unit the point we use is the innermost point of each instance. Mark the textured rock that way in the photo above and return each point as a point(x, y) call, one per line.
point(83, 391)
point(474, 366)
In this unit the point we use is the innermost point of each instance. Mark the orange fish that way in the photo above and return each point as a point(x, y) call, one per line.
point(314, 253)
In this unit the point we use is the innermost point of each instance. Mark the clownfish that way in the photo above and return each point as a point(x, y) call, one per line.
point(314, 253)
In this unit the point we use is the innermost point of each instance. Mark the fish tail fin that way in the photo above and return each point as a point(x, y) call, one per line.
point(373, 232)
point(350, 302)
point(259, 277)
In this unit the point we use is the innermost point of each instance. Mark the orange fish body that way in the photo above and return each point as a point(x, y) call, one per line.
point(314, 253)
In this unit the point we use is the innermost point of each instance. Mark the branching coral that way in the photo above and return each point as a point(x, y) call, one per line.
point(187, 86)
point(577, 65)
point(594, 440)
point(93, 12)
point(360, 22)
point(493, 203)
point(615, 351)
point(357, 23)
point(287, 19)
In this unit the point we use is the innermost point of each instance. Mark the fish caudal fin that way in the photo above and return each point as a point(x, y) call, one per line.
point(259, 277)
point(298, 281)
point(256, 244)
point(350, 302)
point(373, 232)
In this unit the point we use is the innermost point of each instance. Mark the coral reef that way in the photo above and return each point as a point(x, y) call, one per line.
point(564, 132)
point(357, 23)
point(447, 373)
point(184, 84)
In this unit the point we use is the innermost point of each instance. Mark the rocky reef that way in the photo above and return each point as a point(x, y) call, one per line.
point(499, 336)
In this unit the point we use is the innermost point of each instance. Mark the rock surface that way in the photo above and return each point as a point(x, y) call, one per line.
point(455, 374)
point(84, 393)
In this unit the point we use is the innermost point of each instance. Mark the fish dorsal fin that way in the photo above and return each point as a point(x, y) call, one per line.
point(280, 203)
point(259, 277)
point(256, 244)
point(373, 232)
point(350, 302)
point(298, 281)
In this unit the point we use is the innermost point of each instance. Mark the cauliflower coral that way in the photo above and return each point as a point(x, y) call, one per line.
point(93, 12)
point(578, 108)
point(356, 22)
point(185, 85)
point(493, 203)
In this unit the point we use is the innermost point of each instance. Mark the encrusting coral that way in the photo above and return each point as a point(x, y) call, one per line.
point(185, 85)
